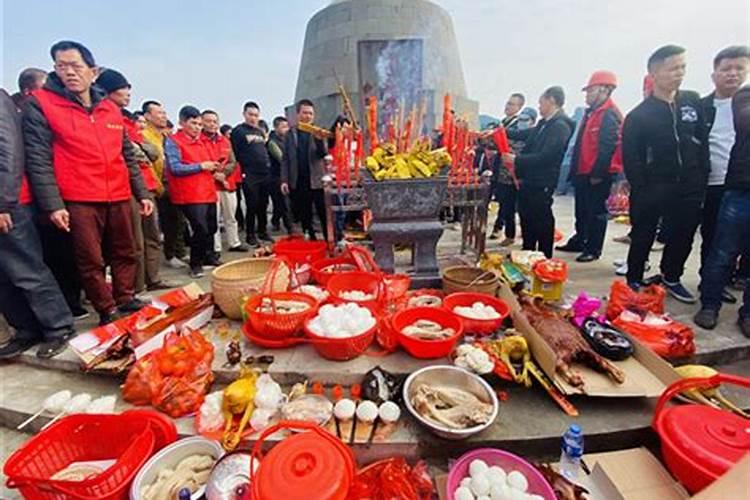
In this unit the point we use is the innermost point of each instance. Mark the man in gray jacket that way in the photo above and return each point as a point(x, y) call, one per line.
point(302, 171)
point(30, 298)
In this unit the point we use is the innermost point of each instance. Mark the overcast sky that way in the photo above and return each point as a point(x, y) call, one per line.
point(221, 53)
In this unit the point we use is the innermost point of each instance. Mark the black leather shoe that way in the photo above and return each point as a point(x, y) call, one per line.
point(587, 257)
point(15, 348)
point(51, 348)
point(706, 319)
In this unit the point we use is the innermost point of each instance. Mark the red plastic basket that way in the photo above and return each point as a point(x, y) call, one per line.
point(427, 349)
point(299, 250)
point(477, 326)
point(341, 349)
point(396, 286)
point(368, 283)
point(343, 264)
point(129, 439)
point(276, 325)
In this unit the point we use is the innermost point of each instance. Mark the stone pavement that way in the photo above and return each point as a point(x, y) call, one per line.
point(529, 422)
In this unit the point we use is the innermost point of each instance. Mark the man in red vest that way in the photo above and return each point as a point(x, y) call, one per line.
point(190, 176)
point(226, 181)
point(596, 159)
point(145, 229)
point(83, 172)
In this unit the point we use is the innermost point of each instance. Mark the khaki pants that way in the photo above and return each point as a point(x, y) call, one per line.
point(148, 247)
point(227, 206)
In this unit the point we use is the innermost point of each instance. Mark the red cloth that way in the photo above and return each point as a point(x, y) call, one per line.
point(24, 197)
point(220, 149)
point(87, 150)
point(196, 188)
point(90, 225)
point(590, 141)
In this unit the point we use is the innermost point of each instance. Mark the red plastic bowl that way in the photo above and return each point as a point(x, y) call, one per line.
point(322, 277)
point(355, 281)
point(396, 285)
point(508, 461)
point(427, 349)
point(341, 349)
point(277, 325)
point(477, 326)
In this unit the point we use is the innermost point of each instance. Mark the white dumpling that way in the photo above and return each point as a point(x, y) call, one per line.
point(480, 485)
point(463, 493)
point(478, 467)
point(496, 475)
point(518, 481)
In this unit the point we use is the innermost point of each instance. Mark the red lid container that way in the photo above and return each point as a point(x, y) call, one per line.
point(700, 443)
point(312, 464)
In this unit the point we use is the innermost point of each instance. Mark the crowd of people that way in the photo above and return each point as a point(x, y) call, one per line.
point(88, 186)
point(684, 157)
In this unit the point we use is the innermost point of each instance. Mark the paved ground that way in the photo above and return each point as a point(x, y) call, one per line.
point(530, 416)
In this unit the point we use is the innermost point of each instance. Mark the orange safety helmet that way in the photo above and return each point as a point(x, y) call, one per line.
point(602, 77)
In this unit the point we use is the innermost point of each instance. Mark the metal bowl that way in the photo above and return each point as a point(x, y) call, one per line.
point(170, 457)
point(451, 376)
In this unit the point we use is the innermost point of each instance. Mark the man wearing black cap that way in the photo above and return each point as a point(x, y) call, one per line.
point(145, 228)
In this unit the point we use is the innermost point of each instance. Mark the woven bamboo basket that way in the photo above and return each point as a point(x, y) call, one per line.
point(469, 279)
point(234, 282)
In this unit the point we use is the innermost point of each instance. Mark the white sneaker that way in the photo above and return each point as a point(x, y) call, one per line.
point(176, 263)
point(622, 270)
point(657, 246)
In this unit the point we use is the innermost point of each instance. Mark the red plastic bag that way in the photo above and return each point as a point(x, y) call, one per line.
point(623, 298)
point(143, 381)
point(392, 479)
point(551, 270)
point(668, 338)
point(618, 202)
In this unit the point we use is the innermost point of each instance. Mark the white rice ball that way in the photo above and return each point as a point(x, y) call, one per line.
point(477, 467)
point(518, 481)
point(480, 485)
point(463, 493)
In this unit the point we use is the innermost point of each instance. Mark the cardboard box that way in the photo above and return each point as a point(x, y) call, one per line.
point(633, 474)
point(646, 374)
point(734, 484)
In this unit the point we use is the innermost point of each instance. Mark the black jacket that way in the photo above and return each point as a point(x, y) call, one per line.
point(538, 165)
point(290, 166)
point(709, 111)
point(249, 146)
point(38, 139)
point(11, 153)
point(667, 143)
point(738, 173)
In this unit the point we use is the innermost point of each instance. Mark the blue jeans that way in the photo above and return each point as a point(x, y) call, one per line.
point(30, 298)
point(731, 239)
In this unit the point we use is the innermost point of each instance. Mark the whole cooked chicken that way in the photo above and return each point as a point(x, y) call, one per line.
point(567, 343)
point(450, 407)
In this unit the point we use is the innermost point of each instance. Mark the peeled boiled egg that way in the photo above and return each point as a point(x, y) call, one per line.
point(477, 467)
point(518, 481)
point(501, 493)
point(463, 493)
point(496, 475)
point(480, 485)
point(466, 482)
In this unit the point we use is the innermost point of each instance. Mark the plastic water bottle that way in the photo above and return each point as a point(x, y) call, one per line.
point(571, 452)
point(184, 494)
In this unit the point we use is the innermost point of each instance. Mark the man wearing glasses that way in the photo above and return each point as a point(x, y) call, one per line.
point(83, 171)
